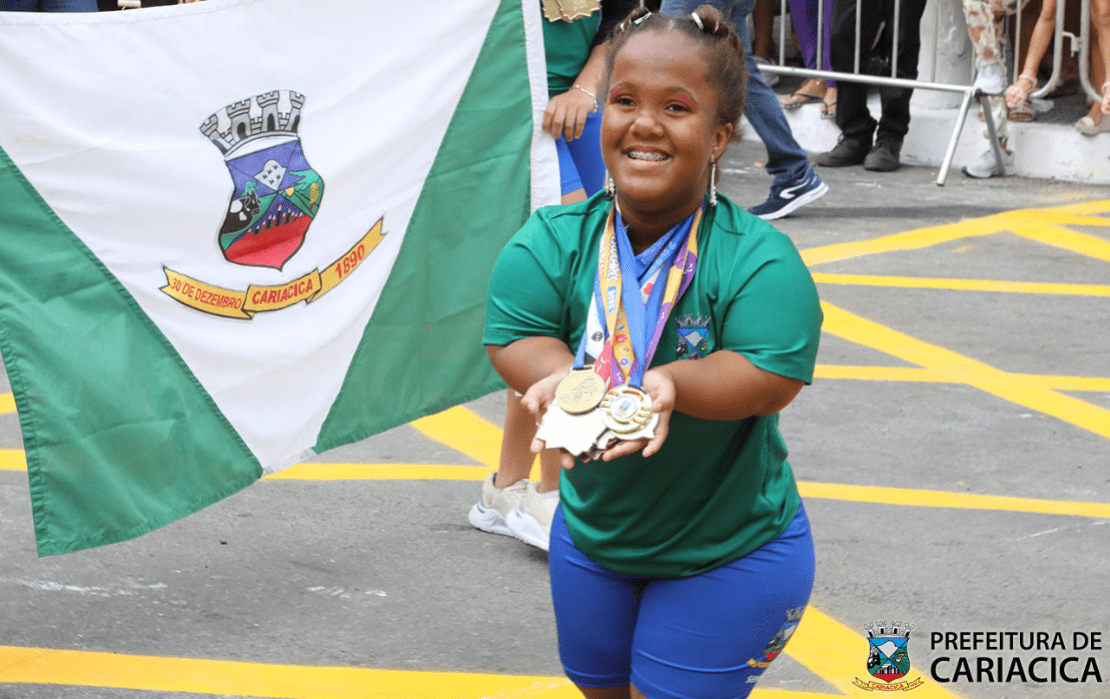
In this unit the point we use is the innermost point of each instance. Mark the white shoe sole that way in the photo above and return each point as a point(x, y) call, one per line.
point(488, 520)
point(526, 528)
point(810, 196)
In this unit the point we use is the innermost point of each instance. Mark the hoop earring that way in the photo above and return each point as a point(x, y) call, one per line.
point(712, 183)
point(610, 186)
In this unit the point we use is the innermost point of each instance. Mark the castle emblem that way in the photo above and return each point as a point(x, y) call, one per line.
point(888, 657)
point(277, 193)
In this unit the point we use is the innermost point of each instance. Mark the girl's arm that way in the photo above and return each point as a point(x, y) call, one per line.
point(566, 113)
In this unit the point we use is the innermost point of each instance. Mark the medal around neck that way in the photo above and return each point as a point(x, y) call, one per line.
point(581, 391)
point(627, 411)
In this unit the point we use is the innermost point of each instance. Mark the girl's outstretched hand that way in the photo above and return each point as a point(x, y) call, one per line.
point(536, 400)
point(660, 386)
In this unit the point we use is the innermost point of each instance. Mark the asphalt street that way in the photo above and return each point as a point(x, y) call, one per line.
point(964, 355)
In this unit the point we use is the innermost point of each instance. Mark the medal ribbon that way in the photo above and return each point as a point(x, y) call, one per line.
point(636, 314)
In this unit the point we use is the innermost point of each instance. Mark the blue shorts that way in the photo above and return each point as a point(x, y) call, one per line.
point(580, 163)
point(709, 636)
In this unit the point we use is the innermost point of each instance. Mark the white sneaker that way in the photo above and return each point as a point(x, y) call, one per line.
point(991, 79)
point(488, 514)
point(984, 165)
point(530, 521)
point(771, 79)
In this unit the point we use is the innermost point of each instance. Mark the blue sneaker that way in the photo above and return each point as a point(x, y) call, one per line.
point(786, 198)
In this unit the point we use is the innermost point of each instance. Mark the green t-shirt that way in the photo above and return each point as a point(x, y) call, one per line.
point(566, 46)
point(717, 490)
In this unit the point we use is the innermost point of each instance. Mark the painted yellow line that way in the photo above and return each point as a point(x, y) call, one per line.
point(964, 284)
point(940, 498)
point(13, 460)
point(838, 655)
point(322, 471)
point(1082, 208)
point(117, 671)
point(7, 403)
point(961, 369)
point(826, 491)
point(465, 432)
point(877, 373)
point(911, 240)
point(819, 644)
point(1064, 238)
point(915, 374)
point(80, 668)
point(1063, 219)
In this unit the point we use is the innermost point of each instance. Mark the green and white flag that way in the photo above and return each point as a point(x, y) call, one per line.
point(239, 232)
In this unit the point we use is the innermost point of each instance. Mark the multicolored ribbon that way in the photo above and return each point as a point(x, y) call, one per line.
point(634, 321)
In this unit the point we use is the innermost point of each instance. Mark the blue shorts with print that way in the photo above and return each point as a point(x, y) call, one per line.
point(708, 636)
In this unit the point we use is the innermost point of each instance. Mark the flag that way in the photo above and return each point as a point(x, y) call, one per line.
point(240, 232)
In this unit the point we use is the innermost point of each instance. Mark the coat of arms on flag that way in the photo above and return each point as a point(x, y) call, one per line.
point(277, 193)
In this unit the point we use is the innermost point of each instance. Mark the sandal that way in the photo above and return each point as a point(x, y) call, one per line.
point(1106, 97)
point(1019, 91)
point(798, 98)
point(1088, 127)
point(1023, 112)
point(828, 110)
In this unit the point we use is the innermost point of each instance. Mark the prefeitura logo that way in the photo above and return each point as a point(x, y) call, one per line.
point(888, 657)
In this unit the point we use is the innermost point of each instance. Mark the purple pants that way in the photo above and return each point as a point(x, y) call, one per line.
point(804, 14)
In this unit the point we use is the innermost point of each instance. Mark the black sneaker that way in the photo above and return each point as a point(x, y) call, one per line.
point(884, 156)
point(848, 151)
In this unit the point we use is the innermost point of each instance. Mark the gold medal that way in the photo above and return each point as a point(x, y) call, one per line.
point(569, 10)
point(626, 410)
point(580, 392)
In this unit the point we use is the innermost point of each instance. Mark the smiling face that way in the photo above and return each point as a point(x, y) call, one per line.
point(659, 129)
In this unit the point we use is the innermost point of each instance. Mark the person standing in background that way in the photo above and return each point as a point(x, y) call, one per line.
point(795, 183)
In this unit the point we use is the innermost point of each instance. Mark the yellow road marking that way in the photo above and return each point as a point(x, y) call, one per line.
point(912, 374)
point(910, 240)
point(322, 471)
point(960, 369)
point(1064, 238)
point(87, 669)
point(243, 679)
point(13, 460)
point(963, 284)
point(941, 498)
point(465, 432)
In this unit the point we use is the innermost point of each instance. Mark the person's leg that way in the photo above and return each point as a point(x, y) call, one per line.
point(763, 20)
point(1100, 22)
point(857, 127)
point(595, 617)
point(895, 101)
point(885, 156)
point(712, 635)
point(805, 26)
point(787, 161)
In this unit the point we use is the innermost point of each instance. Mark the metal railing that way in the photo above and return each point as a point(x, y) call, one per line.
point(1081, 43)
